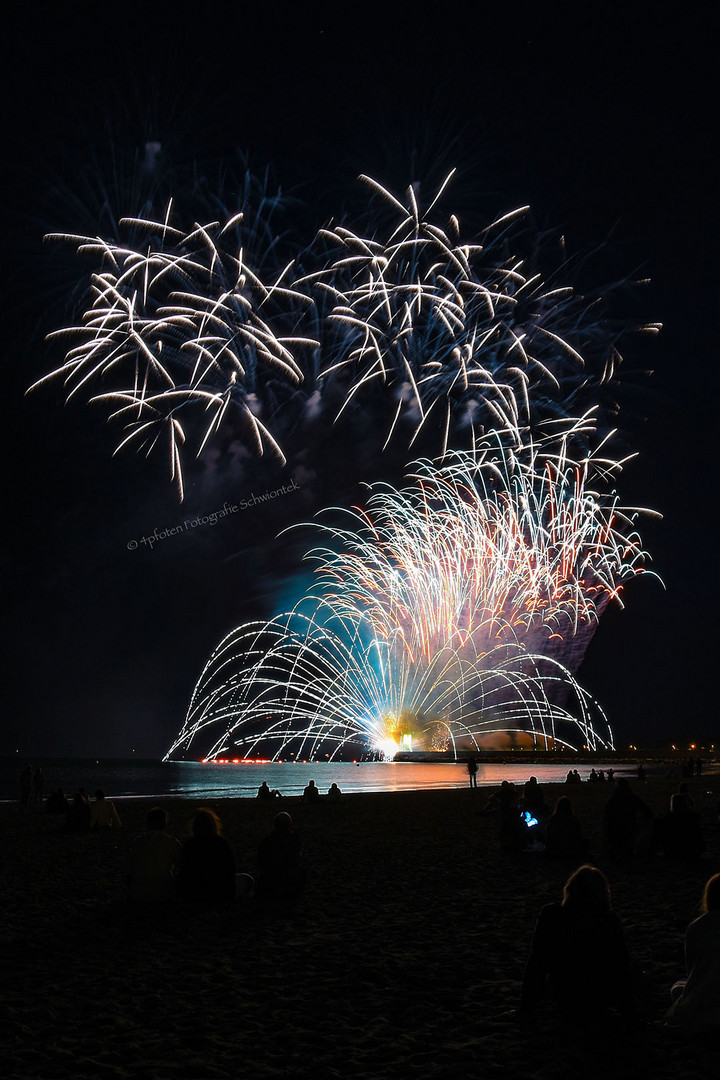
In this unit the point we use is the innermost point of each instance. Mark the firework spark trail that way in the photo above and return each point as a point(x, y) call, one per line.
point(315, 684)
point(183, 323)
point(483, 544)
point(459, 333)
point(450, 339)
point(464, 604)
point(436, 607)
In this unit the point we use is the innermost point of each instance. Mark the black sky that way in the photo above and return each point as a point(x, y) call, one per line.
point(601, 116)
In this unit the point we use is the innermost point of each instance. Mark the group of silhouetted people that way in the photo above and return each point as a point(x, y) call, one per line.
point(629, 827)
point(578, 958)
point(204, 870)
point(81, 815)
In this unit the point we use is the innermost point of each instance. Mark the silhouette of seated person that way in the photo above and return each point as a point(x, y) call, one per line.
point(628, 823)
point(533, 799)
point(56, 802)
point(103, 814)
point(563, 832)
point(578, 958)
point(78, 819)
point(264, 792)
point(154, 857)
point(334, 793)
point(696, 999)
point(506, 795)
point(311, 793)
point(514, 833)
point(206, 873)
point(679, 833)
point(282, 876)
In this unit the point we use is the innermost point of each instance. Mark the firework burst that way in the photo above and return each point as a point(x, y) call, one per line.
point(448, 610)
point(184, 325)
point(444, 340)
point(458, 606)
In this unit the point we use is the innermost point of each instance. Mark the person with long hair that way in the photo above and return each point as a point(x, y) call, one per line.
point(207, 862)
point(578, 955)
point(696, 999)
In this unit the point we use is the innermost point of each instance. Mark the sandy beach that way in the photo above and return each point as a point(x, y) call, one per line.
point(404, 957)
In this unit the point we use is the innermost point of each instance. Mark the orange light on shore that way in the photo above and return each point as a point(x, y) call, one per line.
point(235, 761)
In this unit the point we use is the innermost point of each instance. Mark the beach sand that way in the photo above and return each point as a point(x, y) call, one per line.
point(404, 957)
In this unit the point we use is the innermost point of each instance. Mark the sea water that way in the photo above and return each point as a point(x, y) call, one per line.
point(194, 780)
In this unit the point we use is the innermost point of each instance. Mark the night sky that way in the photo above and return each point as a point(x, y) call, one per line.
point(602, 119)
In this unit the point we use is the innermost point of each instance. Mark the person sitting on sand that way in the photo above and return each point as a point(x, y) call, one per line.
point(563, 833)
point(684, 790)
point(207, 862)
point(679, 833)
point(628, 824)
point(533, 799)
point(311, 792)
point(103, 814)
point(264, 792)
point(514, 833)
point(154, 857)
point(334, 793)
point(282, 875)
point(578, 954)
point(56, 802)
point(505, 796)
point(78, 819)
point(696, 999)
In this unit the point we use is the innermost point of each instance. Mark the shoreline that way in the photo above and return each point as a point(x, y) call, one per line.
point(154, 779)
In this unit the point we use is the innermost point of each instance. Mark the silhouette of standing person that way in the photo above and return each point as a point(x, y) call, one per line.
point(26, 786)
point(38, 787)
point(472, 768)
